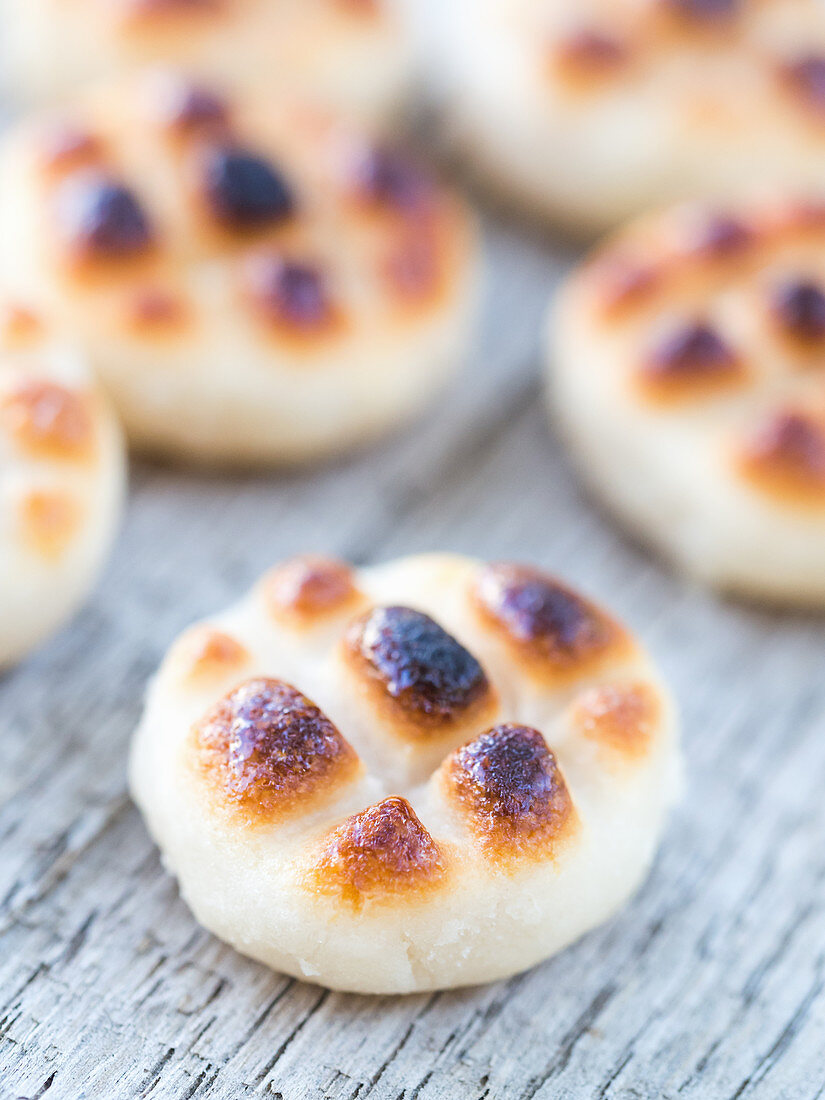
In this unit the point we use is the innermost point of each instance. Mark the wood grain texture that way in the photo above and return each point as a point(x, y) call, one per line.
point(709, 985)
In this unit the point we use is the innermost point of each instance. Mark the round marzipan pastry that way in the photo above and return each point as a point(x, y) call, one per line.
point(61, 482)
point(420, 775)
point(592, 112)
point(254, 281)
point(350, 53)
point(688, 370)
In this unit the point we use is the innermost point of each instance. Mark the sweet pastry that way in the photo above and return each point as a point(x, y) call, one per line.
point(688, 369)
point(350, 53)
point(255, 282)
point(61, 482)
point(421, 775)
point(592, 112)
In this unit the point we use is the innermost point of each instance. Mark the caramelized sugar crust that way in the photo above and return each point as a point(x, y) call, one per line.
point(719, 235)
point(693, 248)
point(554, 630)
point(268, 751)
point(244, 190)
point(101, 219)
point(19, 327)
point(622, 284)
point(431, 680)
point(690, 361)
point(156, 312)
point(390, 182)
point(508, 787)
point(714, 11)
point(600, 52)
point(265, 753)
point(50, 519)
point(47, 420)
point(273, 202)
point(292, 296)
point(766, 261)
point(208, 653)
point(785, 458)
point(310, 588)
point(620, 717)
point(191, 109)
point(66, 146)
point(588, 57)
point(146, 15)
point(53, 430)
point(804, 78)
point(397, 192)
point(382, 851)
point(798, 307)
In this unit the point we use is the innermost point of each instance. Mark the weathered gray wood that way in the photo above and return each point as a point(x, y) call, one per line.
point(709, 985)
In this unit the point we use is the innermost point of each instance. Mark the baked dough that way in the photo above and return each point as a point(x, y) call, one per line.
point(688, 367)
point(421, 775)
point(61, 482)
point(350, 53)
point(254, 281)
point(592, 112)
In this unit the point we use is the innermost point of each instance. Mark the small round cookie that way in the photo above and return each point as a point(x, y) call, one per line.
point(688, 364)
point(592, 112)
point(61, 482)
point(420, 775)
point(255, 282)
point(350, 53)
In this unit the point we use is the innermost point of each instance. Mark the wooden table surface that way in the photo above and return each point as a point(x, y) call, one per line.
point(709, 984)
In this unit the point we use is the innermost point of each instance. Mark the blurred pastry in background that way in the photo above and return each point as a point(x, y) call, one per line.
point(254, 281)
point(347, 53)
point(591, 112)
point(425, 774)
point(688, 375)
point(62, 476)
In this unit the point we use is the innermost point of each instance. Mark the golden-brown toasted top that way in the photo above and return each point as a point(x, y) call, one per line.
point(798, 308)
point(101, 219)
point(157, 312)
point(689, 361)
point(430, 679)
point(380, 852)
point(599, 47)
point(587, 56)
point(49, 520)
point(207, 654)
point(432, 752)
point(292, 295)
point(46, 419)
point(621, 717)
point(268, 751)
point(508, 787)
point(723, 313)
point(696, 252)
point(190, 109)
point(19, 327)
point(308, 589)
point(243, 189)
point(785, 457)
point(556, 632)
point(804, 78)
point(59, 450)
point(167, 8)
point(65, 146)
point(144, 16)
point(317, 227)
